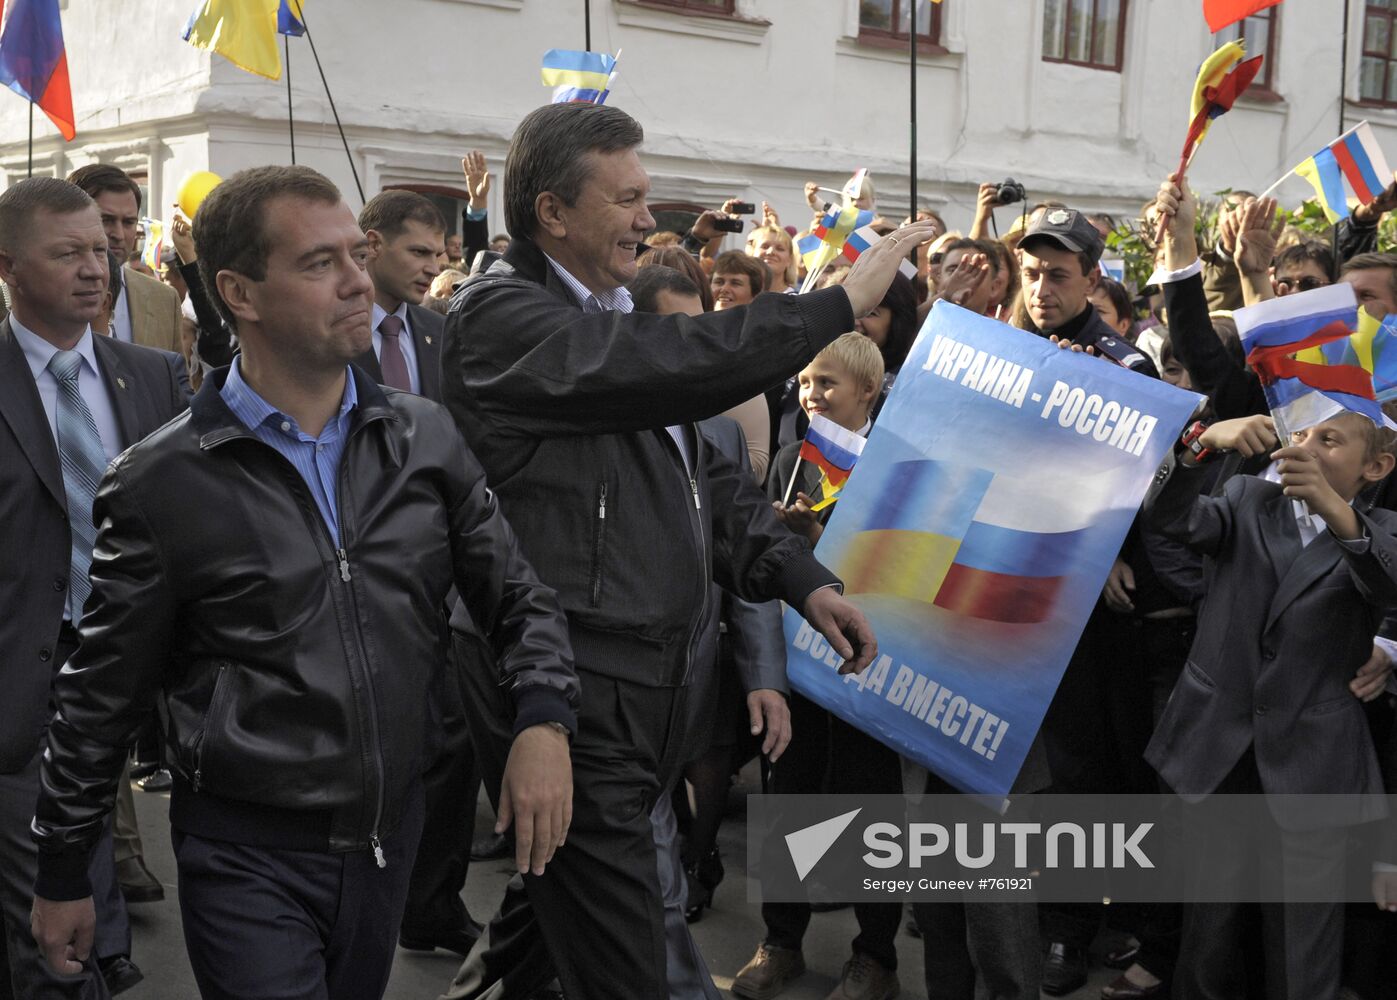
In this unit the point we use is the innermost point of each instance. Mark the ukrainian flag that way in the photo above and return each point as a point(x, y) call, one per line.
point(1323, 173)
point(242, 31)
point(583, 70)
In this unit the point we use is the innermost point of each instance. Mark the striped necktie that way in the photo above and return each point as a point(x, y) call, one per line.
point(84, 460)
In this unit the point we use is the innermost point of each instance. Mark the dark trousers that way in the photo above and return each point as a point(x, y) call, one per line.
point(1095, 733)
point(1301, 944)
point(995, 944)
point(829, 755)
point(451, 786)
point(598, 907)
point(268, 924)
point(29, 975)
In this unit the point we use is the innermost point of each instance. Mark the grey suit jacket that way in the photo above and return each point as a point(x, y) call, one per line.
point(426, 340)
point(146, 392)
point(758, 640)
point(1280, 635)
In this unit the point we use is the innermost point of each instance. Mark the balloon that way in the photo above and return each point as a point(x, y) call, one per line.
point(195, 189)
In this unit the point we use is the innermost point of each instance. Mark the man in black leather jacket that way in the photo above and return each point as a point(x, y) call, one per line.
point(582, 412)
point(271, 570)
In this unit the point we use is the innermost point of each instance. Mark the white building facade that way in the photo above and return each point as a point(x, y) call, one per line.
point(1081, 100)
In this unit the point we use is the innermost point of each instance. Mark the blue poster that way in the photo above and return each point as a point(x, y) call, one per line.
point(976, 533)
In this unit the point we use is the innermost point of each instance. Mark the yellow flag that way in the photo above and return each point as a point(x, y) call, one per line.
point(241, 31)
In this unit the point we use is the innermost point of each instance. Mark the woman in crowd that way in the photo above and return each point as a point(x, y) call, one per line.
point(772, 246)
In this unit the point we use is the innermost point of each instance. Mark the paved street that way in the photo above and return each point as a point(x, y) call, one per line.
point(727, 935)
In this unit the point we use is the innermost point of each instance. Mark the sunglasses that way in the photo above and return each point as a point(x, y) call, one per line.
point(1303, 284)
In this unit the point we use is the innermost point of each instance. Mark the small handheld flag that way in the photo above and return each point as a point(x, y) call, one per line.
point(155, 243)
point(578, 76)
point(34, 62)
point(242, 31)
point(826, 240)
point(834, 451)
point(1355, 157)
point(864, 239)
point(1373, 348)
point(1222, 79)
point(1302, 393)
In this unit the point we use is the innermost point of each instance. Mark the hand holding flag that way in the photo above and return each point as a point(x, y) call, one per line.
point(1222, 79)
point(1301, 392)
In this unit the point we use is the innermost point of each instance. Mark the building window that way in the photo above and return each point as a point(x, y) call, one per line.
point(1084, 32)
point(694, 6)
point(886, 21)
point(1259, 32)
point(1377, 79)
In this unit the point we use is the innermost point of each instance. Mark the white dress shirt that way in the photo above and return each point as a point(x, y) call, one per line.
point(121, 325)
point(39, 352)
point(405, 343)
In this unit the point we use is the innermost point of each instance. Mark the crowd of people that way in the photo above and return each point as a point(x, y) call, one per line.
point(339, 520)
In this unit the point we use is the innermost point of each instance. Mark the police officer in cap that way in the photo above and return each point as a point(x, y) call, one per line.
point(1058, 258)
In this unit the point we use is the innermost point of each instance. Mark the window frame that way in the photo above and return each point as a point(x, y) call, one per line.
point(1389, 61)
point(700, 8)
point(1264, 86)
point(1119, 64)
point(892, 38)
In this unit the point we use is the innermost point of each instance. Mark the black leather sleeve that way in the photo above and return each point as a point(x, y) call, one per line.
point(106, 692)
point(1234, 390)
point(213, 340)
point(475, 235)
point(534, 364)
point(519, 616)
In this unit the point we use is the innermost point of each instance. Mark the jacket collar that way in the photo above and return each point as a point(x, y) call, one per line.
point(216, 424)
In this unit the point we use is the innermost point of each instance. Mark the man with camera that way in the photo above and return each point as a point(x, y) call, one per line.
point(992, 196)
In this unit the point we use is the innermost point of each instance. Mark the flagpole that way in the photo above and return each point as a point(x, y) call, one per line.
point(329, 97)
point(912, 108)
point(790, 488)
point(1343, 70)
point(290, 116)
point(587, 22)
point(31, 140)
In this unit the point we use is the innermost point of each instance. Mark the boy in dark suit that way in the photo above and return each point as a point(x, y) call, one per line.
point(1300, 578)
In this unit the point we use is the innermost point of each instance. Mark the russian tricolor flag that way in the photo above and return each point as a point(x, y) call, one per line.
point(34, 62)
point(862, 239)
point(1355, 157)
point(1301, 393)
point(969, 541)
point(832, 448)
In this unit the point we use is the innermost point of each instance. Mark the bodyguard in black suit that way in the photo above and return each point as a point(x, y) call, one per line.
point(407, 237)
point(53, 256)
point(406, 234)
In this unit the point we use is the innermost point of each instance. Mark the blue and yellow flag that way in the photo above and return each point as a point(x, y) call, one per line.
point(583, 70)
point(242, 31)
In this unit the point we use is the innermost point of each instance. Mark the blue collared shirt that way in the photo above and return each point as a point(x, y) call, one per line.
point(39, 352)
point(316, 459)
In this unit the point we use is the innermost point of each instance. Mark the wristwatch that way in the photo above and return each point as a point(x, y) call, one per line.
point(1191, 441)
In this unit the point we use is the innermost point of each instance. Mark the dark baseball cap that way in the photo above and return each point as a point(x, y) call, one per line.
point(1066, 228)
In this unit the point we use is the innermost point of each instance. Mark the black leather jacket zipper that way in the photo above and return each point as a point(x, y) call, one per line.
point(346, 578)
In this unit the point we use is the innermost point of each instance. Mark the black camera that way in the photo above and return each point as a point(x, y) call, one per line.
point(744, 208)
point(1009, 192)
point(728, 225)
